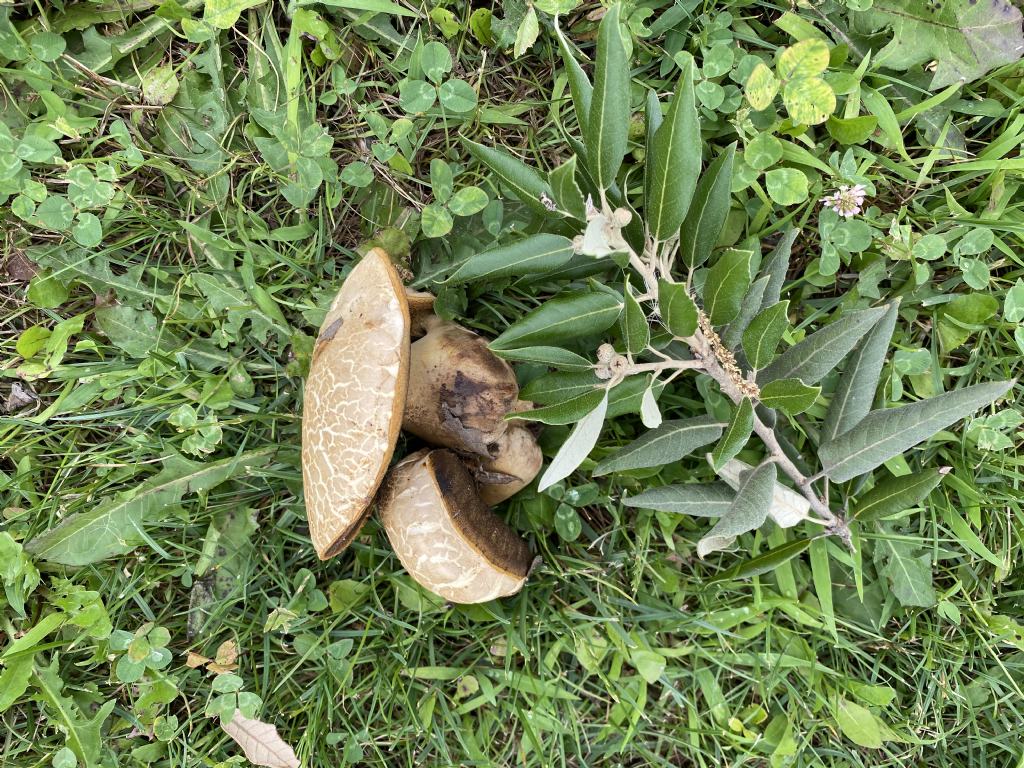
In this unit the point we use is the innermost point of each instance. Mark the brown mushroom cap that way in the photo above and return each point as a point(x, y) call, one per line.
point(459, 391)
point(445, 536)
point(516, 458)
point(355, 395)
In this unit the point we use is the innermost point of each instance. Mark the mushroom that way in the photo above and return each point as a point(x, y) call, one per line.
point(459, 391)
point(515, 459)
point(354, 400)
point(421, 311)
point(445, 535)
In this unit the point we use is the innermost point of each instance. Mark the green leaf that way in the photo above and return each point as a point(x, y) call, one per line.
point(535, 254)
point(673, 162)
point(625, 397)
point(804, 59)
point(858, 724)
point(527, 33)
point(567, 523)
point(966, 39)
point(82, 734)
point(821, 575)
point(571, 316)
point(763, 563)
point(708, 210)
point(457, 96)
point(468, 201)
point(577, 447)
point(374, 6)
point(47, 46)
point(526, 183)
point(748, 510)
point(636, 333)
point(55, 212)
point(608, 121)
point(670, 442)
point(811, 359)
point(895, 494)
point(442, 180)
point(726, 284)
point(555, 357)
point(436, 62)
point(855, 392)
point(790, 396)
point(736, 435)
point(851, 130)
point(786, 186)
point(134, 331)
point(909, 571)
point(436, 221)
point(566, 192)
point(223, 14)
point(809, 100)
point(886, 433)
point(115, 525)
point(761, 87)
point(159, 85)
point(14, 680)
point(565, 412)
point(416, 96)
point(749, 307)
point(678, 311)
point(579, 84)
point(88, 230)
point(762, 336)
point(693, 499)
point(776, 266)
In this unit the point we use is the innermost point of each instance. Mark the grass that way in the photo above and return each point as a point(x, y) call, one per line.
point(617, 652)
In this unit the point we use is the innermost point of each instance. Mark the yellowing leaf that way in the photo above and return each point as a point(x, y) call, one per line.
point(260, 742)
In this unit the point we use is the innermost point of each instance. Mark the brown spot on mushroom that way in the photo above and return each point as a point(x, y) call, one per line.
point(446, 537)
point(354, 401)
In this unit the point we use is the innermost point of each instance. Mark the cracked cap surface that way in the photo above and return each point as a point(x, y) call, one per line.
point(354, 399)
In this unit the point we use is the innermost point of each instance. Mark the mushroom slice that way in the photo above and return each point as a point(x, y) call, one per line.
point(445, 536)
point(354, 400)
point(515, 460)
point(459, 391)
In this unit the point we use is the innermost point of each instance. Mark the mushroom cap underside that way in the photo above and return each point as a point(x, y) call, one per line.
point(354, 400)
point(445, 536)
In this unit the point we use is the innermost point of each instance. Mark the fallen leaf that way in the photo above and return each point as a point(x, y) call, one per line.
point(227, 655)
point(260, 742)
point(196, 660)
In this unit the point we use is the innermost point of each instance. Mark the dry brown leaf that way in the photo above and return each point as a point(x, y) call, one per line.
point(227, 655)
point(260, 742)
point(196, 660)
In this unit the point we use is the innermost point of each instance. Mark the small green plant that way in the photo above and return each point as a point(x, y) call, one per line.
point(713, 312)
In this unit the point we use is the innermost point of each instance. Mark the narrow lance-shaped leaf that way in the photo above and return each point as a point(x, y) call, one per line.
point(776, 266)
point(555, 357)
point(677, 308)
point(749, 307)
point(763, 563)
point(579, 84)
point(566, 192)
point(708, 210)
point(810, 360)
point(635, 332)
point(726, 284)
point(608, 121)
point(653, 117)
point(855, 392)
point(694, 499)
point(535, 254)
point(577, 447)
point(790, 396)
point(886, 433)
point(560, 318)
point(748, 510)
point(650, 414)
point(673, 162)
point(736, 435)
point(115, 526)
point(895, 494)
point(526, 183)
point(761, 338)
point(788, 506)
point(670, 442)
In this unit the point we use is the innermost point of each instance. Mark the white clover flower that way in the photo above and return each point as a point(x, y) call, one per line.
point(847, 201)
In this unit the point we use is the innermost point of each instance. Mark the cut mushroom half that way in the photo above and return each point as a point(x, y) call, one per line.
point(354, 400)
point(421, 311)
point(444, 534)
point(459, 391)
